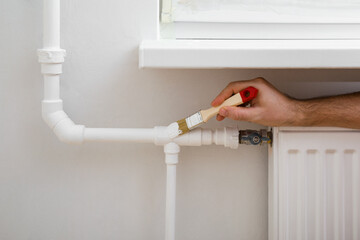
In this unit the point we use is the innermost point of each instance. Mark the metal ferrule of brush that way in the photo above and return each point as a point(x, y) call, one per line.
point(191, 122)
point(194, 120)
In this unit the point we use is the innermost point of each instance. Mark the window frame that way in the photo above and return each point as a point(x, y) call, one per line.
point(180, 21)
point(171, 50)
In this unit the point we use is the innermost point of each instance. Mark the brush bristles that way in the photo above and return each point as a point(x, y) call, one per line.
point(183, 127)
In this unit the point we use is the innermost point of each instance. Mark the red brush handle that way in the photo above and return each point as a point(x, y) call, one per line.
point(248, 94)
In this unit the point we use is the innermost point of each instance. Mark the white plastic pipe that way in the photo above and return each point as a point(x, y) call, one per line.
point(51, 87)
point(51, 21)
point(171, 159)
point(51, 58)
point(170, 202)
point(119, 135)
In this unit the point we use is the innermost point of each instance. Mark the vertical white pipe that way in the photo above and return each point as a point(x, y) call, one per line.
point(171, 158)
point(51, 87)
point(51, 26)
point(170, 202)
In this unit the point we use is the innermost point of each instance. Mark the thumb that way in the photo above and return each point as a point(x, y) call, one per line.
point(238, 113)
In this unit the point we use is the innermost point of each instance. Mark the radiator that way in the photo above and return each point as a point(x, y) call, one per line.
point(314, 181)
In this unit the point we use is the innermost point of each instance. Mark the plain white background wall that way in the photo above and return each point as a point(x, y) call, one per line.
point(50, 190)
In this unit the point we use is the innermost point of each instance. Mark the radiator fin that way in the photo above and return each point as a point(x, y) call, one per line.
point(319, 186)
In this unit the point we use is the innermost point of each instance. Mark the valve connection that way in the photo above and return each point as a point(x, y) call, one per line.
point(255, 137)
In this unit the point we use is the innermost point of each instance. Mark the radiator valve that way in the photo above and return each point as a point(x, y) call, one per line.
point(254, 137)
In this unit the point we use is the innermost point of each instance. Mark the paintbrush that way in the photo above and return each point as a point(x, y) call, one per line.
point(186, 124)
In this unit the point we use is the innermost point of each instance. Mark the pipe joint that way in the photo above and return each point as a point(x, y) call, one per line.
point(229, 137)
point(68, 132)
point(51, 61)
point(51, 56)
point(171, 151)
point(51, 68)
point(161, 136)
point(52, 112)
point(65, 129)
point(196, 137)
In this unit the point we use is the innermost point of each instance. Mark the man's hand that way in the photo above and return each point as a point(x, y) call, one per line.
point(269, 108)
point(272, 108)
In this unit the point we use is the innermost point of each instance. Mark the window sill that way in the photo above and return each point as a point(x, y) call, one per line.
point(249, 54)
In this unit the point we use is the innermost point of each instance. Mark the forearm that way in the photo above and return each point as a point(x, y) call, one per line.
point(337, 111)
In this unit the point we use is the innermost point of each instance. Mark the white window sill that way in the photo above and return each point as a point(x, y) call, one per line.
point(249, 54)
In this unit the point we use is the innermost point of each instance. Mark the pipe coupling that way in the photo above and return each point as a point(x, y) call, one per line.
point(171, 151)
point(51, 55)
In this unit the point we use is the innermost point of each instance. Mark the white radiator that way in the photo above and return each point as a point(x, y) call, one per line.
point(314, 181)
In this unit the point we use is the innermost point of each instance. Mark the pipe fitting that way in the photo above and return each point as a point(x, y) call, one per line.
point(52, 112)
point(196, 137)
point(52, 109)
point(161, 136)
point(51, 55)
point(68, 132)
point(171, 151)
point(229, 137)
point(254, 137)
point(60, 123)
point(51, 68)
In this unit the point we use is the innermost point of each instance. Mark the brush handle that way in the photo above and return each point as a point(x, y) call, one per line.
point(239, 98)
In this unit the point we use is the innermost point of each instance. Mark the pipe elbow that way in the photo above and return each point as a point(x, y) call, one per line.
point(69, 132)
point(65, 129)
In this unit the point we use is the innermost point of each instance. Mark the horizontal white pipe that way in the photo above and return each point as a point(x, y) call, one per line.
point(69, 132)
point(51, 23)
point(119, 134)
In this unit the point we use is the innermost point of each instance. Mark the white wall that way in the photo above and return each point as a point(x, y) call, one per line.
point(50, 190)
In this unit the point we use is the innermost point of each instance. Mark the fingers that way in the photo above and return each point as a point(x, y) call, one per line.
point(230, 89)
point(224, 94)
point(238, 113)
point(219, 117)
